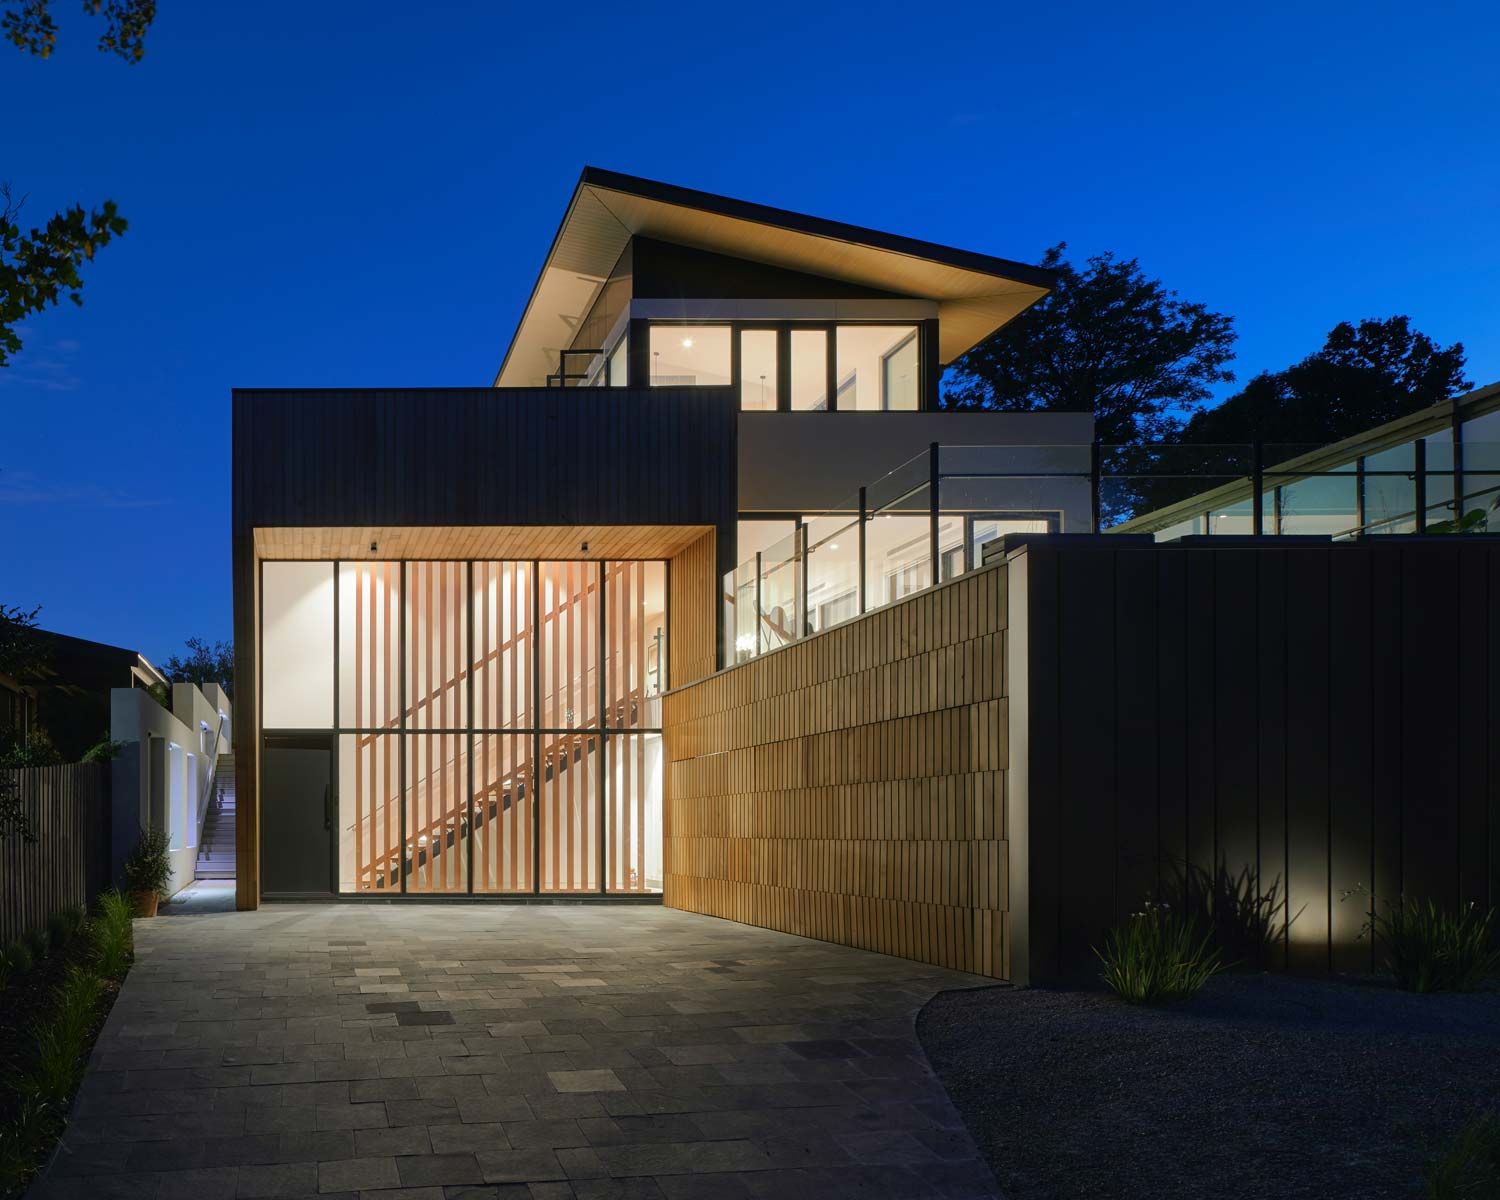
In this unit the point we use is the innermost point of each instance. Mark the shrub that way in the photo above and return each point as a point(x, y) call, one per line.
point(1429, 950)
point(37, 942)
point(62, 927)
point(24, 1139)
point(149, 867)
point(111, 934)
point(1470, 1167)
point(103, 751)
point(1157, 956)
point(60, 1039)
point(20, 958)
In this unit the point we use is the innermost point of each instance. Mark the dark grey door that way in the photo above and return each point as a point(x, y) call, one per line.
point(296, 816)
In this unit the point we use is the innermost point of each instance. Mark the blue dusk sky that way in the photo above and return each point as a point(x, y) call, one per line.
point(340, 194)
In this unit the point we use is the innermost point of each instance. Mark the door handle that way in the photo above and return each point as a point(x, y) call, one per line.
point(327, 806)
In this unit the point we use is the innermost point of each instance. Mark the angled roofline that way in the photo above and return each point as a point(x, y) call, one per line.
point(764, 214)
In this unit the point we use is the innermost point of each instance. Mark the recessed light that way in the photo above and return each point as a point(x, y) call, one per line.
point(687, 343)
point(833, 545)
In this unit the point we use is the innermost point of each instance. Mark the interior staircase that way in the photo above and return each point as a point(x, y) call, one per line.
point(216, 848)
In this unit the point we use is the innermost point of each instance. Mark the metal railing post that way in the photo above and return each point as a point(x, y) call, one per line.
point(1096, 480)
point(758, 617)
point(1420, 448)
point(932, 513)
point(804, 623)
point(1258, 488)
point(862, 550)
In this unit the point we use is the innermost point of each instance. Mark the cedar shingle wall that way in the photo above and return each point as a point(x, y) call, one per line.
point(850, 787)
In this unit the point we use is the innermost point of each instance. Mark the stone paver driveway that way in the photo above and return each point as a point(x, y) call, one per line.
point(432, 1052)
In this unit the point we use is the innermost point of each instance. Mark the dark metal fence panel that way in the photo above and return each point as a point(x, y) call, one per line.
point(1307, 719)
point(68, 807)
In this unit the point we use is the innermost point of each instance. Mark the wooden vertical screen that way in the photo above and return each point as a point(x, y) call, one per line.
point(568, 637)
point(632, 814)
point(437, 703)
point(636, 638)
point(850, 787)
point(369, 645)
point(569, 812)
point(504, 812)
point(693, 630)
point(369, 812)
point(502, 645)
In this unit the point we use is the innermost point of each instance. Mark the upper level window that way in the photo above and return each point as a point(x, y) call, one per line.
point(877, 367)
point(759, 372)
point(690, 356)
point(810, 369)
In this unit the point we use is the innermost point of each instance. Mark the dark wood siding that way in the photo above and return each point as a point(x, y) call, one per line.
point(68, 864)
point(1319, 716)
point(463, 456)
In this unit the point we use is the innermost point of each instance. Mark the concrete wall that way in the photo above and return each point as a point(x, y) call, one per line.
point(850, 787)
point(161, 774)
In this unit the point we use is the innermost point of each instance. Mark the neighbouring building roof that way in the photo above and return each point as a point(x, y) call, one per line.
point(976, 293)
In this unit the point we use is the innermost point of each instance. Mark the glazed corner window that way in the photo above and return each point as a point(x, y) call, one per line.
point(877, 367)
point(690, 355)
point(758, 377)
point(619, 359)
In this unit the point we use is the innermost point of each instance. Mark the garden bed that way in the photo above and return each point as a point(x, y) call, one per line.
point(1262, 1085)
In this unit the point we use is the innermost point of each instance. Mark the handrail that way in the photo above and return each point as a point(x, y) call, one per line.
point(213, 776)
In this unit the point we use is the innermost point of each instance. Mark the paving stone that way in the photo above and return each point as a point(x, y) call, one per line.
point(424, 1052)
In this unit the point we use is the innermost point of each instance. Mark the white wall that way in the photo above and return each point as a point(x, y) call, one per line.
point(157, 785)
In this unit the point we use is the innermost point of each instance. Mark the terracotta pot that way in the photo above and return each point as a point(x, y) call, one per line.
point(145, 903)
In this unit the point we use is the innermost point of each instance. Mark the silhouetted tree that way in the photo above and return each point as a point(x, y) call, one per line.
point(1365, 375)
point(1105, 340)
point(205, 662)
point(39, 266)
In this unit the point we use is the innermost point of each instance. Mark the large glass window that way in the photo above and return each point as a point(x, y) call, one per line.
point(809, 383)
point(472, 750)
point(619, 362)
point(758, 370)
point(877, 367)
point(297, 645)
point(690, 355)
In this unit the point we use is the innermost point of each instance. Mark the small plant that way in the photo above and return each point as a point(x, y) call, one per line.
point(148, 870)
point(103, 751)
point(37, 942)
point(1429, 949)
point(111, 935)
point(1158, 956)
point(20, 958)
point(63, 926)
point(24, 1139)
point(1470, 1166)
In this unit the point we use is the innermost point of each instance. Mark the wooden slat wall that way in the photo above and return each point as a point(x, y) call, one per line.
point(69, 808)
point(850, 786)
point(692, 639)
point(1323, 715)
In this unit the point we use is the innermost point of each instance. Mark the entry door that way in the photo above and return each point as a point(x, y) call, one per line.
point(297, 807)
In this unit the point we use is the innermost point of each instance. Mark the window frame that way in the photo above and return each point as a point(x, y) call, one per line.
point(783, 329)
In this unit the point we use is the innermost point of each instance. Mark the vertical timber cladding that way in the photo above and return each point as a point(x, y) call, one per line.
point(1296, 718)
point(693, 606)
point(850, 787)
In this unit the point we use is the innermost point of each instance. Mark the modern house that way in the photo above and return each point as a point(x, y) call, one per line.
point(457, 610)
point(705, 603)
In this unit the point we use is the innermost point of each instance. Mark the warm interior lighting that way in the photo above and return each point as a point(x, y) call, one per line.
point(833, 545)
point(687, 343)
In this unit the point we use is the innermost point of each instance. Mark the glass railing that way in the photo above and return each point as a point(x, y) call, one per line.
point(929, 519)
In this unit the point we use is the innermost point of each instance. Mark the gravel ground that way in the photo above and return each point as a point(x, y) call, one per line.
point(1261, 1086)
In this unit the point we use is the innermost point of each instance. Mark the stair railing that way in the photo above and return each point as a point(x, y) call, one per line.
point(207, 795)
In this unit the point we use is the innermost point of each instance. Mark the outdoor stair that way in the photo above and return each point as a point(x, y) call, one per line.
point(216, 849)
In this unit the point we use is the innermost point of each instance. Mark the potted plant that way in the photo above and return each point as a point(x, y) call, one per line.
point(148, 872)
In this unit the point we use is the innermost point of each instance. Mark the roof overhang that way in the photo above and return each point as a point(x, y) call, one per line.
point(976, 294)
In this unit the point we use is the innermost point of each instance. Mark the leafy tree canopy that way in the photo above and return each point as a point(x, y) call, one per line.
point(205, 662)
point(1365, 375)
point(38, 267)
point(1106, 340)
point(23, 655)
